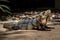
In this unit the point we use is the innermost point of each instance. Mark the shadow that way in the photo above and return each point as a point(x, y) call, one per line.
point(47, 29)
point(50, 27)
point(42, 29)
point(13, 33)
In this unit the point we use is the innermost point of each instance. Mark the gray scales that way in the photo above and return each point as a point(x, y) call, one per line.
point(25, 24)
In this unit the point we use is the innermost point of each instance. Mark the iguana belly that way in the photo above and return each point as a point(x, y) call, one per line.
point(43, 20)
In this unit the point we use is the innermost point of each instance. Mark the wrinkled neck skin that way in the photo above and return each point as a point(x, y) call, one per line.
point(41, 19)
point(44, 18)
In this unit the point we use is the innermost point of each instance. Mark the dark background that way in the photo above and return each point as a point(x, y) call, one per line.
point(18, 5)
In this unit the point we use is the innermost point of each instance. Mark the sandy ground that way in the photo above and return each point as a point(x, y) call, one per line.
point(54, 34)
